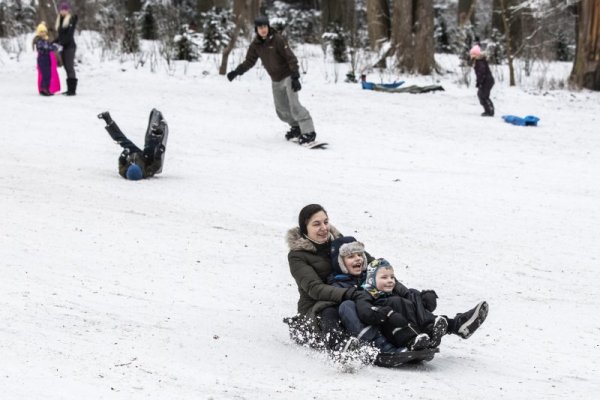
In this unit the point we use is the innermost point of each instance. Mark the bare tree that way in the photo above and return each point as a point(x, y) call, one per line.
point(378, 21)
point(465, 12)
point(133, 6)
point(244, 11)
point(586, 68)
point(47, 12)
point(340, 12)
point(205, 5)
point(412, 34)
point(423, 28)
point(402, 34)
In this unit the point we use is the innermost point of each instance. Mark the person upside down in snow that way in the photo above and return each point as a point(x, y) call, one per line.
point(134, 163)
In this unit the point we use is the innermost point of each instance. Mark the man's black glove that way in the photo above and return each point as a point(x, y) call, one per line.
point(429, 299)
point(231, 75)
point(296, 86)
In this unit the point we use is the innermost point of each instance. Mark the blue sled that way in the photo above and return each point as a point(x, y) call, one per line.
point(529, 120)
point(372, 86)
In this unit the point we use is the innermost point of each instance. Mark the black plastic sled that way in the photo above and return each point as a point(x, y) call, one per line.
point(395, 360)
point(303, 333)
point(156, 123)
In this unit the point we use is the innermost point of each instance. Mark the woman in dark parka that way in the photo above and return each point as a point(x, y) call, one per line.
point(310, 265)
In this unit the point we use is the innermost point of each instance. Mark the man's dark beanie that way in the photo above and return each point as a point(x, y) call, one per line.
point(306, 213)
point(261, 20)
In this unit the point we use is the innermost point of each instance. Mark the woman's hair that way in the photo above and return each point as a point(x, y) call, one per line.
point(305, 215)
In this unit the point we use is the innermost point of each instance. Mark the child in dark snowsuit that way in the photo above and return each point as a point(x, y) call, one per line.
point(485, 80)
point(134, 163)
point(44, 48)
point(403, 320)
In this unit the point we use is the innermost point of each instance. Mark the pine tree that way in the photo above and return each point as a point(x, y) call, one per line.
point(149, 28)
point(130, 42)
point(217, 28)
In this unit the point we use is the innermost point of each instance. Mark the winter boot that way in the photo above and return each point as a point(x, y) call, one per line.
point(46, 92)
point(465, 324)
point(71, 87)
point(106, 117)
point(307, 137)
point(437, 330)
point(420, 342)
point(293, 134)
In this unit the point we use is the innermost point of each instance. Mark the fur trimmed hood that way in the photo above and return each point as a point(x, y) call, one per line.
point(296, 241)
point(65, 23)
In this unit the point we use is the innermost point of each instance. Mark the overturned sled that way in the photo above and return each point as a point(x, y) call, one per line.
point(528, 120)
point(304, 333)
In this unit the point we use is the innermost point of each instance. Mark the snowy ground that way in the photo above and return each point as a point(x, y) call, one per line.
point(175, 287)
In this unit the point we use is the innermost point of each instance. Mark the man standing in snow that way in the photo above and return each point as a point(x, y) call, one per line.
point(282, 66)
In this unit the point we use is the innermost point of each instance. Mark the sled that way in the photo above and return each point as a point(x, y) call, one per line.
point(529, 120)
point(302, 333)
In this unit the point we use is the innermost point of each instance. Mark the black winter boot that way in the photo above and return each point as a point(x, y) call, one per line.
point(106, 117)
point(307, 137)
point(293, 133)
point(465, 324)
point(71, 87)
point(436, 331)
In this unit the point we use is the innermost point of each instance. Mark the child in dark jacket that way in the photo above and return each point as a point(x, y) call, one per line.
point(485, 80)
point(406, 319)
point(403, 322)
point(44, 64)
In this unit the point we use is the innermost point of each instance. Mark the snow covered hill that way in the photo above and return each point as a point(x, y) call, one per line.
point(175, 287)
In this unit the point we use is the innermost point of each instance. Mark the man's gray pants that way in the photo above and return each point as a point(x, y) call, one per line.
point(288, 107)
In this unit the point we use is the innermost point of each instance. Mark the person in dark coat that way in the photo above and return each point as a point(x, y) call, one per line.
point(484, 80)
point(65, 27)
point(310, 266)
point(282, 66)
point(135, 164)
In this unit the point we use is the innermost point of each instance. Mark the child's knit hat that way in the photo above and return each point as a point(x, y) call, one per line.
point(41, 29)
point(372, 268)
point(343, 247)
point(475, 51)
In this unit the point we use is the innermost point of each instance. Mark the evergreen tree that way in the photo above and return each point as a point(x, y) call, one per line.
point(185, 46)
point(217, 29)
point(440, 32)
point(338, 38)
point(130, 42)
point(149, 27)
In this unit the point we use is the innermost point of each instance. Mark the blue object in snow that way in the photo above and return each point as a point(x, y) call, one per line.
point(529, 120)
point(372, 86)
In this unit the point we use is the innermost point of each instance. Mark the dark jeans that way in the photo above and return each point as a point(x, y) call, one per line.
point(68, 59)
point(483, 93)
